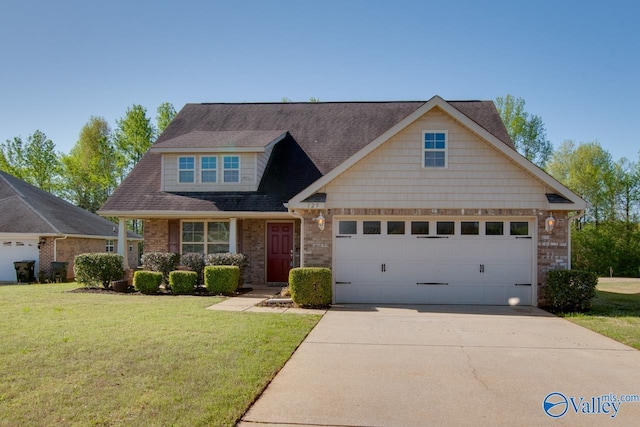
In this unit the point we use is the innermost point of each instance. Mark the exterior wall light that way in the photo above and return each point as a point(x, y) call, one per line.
point(320, 221)
point(549, 223)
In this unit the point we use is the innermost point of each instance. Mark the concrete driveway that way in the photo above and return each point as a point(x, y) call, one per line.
point(450, 365)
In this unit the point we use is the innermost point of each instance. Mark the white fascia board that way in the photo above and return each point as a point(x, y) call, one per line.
point(192, 214)
point(24, 236)
point(436, 101)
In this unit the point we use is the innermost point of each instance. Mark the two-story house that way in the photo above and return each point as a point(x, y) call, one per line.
point(407, 202)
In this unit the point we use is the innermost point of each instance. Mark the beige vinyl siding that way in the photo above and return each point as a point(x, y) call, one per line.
point(477, 176)
point(261, 161)
point(248, 180)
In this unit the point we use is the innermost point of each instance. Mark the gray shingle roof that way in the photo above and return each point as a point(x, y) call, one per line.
point(222, 139)
point(28, 209)
point(321, 137)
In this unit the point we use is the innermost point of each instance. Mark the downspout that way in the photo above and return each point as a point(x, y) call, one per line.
point(55, 247)
point(571, 218)
point(301, 218)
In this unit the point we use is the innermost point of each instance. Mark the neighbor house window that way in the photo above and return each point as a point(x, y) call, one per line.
point(110, 246)
point(205, 237)
point(231, 171)
point(186, 169)
point(209, 169)
point(435, 149)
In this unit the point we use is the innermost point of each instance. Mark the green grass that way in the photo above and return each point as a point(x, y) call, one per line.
point(110, 360)
point(615, 311)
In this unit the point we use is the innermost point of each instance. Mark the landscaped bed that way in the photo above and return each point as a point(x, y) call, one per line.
point(615, 311)
point(101, 359)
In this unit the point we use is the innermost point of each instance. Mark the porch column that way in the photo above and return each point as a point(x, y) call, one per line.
point(122, 242)
point(233, 235)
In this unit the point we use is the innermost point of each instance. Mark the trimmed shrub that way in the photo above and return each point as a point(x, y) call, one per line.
point(163, 262)
point(97, 269)
point(571, 290)
point(182, 282)
point(221, 279)
point(147, 282)
point(194, 262)
point(239, 260)
point(310, 286)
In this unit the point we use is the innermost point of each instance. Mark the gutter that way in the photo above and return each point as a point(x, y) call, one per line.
point(301, 218)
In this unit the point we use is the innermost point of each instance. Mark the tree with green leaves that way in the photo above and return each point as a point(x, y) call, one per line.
point(133, 137)
point(526, 131)
point(165, 114)
point(90, 167)
point(34, 161)
point(587, 169)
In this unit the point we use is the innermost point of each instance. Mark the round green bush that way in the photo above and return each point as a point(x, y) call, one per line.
point(310, 286)
point(147, 282)
point(221, 279)
point(182, 282)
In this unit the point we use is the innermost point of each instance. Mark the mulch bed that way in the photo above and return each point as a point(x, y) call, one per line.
point(200, 292)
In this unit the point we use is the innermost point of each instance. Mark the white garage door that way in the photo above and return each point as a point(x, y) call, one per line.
point(16, 250)
point(433, 261)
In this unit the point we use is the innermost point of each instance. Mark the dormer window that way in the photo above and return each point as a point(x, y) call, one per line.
point(209, 169)
point(231, 169)
point(186, 170)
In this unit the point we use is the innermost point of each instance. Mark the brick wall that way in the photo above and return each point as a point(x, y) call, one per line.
point(318, 244)
point(553, 249)
point(156, 235)
point(67, 249)
point(252, 244)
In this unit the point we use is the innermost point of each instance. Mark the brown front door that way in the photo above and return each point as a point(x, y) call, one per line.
point(279, 251)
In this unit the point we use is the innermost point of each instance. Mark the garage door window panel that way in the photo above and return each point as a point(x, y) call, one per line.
point(347, 227)
point(494, 228)
point(445, 228)
point(419, 228)
point(470, 228)
point(519, 228)
point(395, 228)
point(371, 227)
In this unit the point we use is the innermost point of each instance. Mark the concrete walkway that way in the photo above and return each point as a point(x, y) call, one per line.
point(449, 366)
point(248, 303)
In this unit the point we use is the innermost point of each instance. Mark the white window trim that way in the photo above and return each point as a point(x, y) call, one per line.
point(110, 243)
point(239, 169)
point(425, 150)
point(201, 169)
point(195, 166)
point(206, 230)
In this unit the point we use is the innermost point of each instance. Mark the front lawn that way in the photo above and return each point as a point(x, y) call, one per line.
point(109, 359)
point(615, 311)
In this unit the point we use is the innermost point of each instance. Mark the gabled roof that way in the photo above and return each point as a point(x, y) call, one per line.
point(226, 140)
point(324, 135)
point(471, 123)
point(28, 209)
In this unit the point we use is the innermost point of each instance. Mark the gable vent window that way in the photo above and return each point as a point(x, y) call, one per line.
point(186, 169)
point(435, 149)
point(209, 169)
point(231, 171)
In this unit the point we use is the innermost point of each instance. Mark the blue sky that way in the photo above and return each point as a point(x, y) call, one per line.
point(576, 63)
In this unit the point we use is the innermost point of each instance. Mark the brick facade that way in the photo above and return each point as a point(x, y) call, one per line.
point(553, 249)
point(252, 244)
point(156, 235)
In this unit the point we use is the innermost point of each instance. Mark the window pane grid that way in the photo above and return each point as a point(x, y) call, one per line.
point(231, 171)
point(435, 149)
point(205, 237)
point(186, 168)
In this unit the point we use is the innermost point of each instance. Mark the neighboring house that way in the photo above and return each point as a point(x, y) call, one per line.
point(36, 225)
point(420, 202)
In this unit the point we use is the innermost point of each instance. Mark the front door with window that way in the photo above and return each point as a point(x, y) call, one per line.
point(279, 251)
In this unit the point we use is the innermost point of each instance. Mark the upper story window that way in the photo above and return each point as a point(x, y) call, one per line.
point(209, 169)
point(435, 149)
point(231, 169)
point(186, 169)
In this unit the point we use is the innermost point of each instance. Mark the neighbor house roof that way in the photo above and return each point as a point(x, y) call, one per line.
point(28, 209)
point(321, 135)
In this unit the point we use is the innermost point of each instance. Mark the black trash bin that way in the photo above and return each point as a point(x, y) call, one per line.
point(25, 271)
point(59, 271)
